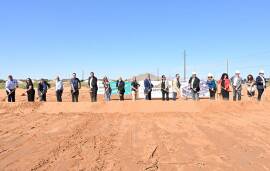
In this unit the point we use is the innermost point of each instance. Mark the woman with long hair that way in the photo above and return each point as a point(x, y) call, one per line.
point(224, 84)
point(251, 86)
point(30, 91)
point(107, 89)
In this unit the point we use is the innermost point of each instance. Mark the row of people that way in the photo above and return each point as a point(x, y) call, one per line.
point(225, 85)
point(221, 87)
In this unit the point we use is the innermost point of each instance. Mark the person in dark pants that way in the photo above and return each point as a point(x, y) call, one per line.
point(11, 85)
point(120, 84)
point(59, 88)
point(224, 84)
point(30, 91)
point(211, 83)
point(148, 88)
point(194, 83)
point(75, 86)
point(42, 90)
point(92, 83)
point(261, 84)
point(164, 88)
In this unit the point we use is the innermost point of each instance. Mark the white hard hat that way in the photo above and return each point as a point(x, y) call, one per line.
point(194, 73)
point(237, 72)
point(210, 75)
point(261, 72)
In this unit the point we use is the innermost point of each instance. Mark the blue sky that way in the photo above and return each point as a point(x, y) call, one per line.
point(46, 38)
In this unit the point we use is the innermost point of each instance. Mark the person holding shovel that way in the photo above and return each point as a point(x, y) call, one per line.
point(261, 84)
point(75, 85)
point(194, 84)
point(92, 83)
point(134, 89)
point(43, 87)
point(30, 91)
point(224, 84)
point(236, 83)
point(164, 88)
point(59, 88)
point(120, 84)
point(11, 85)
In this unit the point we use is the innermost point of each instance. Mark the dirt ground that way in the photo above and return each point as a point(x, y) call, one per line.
point(134, 136)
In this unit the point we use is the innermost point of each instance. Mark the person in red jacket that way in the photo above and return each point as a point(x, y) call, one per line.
point(224, 84)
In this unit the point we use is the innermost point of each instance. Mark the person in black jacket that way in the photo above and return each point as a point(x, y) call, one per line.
point(261, 84)
point(30, 91)
point(164, 88)
point(120, 84)
point(194, 83)
point(92, 83)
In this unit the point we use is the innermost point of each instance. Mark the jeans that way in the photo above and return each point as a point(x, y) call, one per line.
point(11, 96)
point(195, 95)
point(107, 96)
point(174, 96)
point(225, 94)
point(236, 94)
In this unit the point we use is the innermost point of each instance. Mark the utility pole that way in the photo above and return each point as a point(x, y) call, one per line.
point(158, 74)
point(185, 69)
point(227, 66)
point(82, 74)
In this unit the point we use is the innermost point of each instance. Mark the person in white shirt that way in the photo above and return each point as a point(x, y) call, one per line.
point(236, 82)
point(176, 85)
point(11, 85)
point(59, 88)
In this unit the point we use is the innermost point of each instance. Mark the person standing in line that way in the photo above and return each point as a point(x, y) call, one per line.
point(42, 90)
point(224, 84)
point(134, 89)
point(92, 83)
point(75, 84)
point(164, 88)
point(194, 83)
point(261, 84)
point(11, 85)
point(211, 83)
point(30, 91)
point(251, 86)
point(59, 88)
point(176, 86)
point(148, 86)
point(236, 82)
point(120, 84)
point(107, 89)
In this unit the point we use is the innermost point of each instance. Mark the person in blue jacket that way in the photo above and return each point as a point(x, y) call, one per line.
point(148, 88)
point(211, 83)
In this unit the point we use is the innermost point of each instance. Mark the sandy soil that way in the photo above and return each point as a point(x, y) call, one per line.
point(134, 136)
